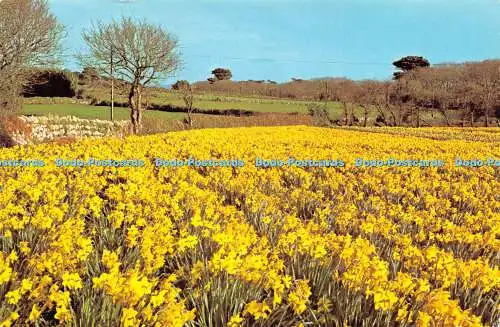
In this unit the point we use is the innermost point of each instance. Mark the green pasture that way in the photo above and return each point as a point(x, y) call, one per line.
point(92, 112)
point(56, 106)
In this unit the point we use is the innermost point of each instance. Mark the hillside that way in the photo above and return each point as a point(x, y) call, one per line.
point(465, 94)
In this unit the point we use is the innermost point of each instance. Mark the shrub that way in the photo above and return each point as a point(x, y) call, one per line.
point(13, 130)
point(156, 126)
point(180, 85)
point(5, 139)
point(51, 83)
point(320, 114)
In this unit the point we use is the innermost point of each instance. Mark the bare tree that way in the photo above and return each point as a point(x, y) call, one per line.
point(373, 96)
point(29, 36)
point(366, 97)
point(342, 90)
point(466, 93)
point(422, 88)
point(142, 53)
point(187, 97)
point(399, 97)
point(485, 77)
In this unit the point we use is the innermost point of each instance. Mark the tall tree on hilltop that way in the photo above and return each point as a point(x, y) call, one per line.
point(222, 74)
point(409, 63)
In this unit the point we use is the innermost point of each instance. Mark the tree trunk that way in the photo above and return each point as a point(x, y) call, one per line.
point(366, 115)
point(189, 111)
point(139, 108)
point(393, 115)
point(486, 118)
point(488, 101)
point(445, 116)
point(400, 115)
point(382, 114)
point(131, 105)
point(411, 116)
point(346, 114)
point(472, 117)
point(134, 103)
point(418, 116)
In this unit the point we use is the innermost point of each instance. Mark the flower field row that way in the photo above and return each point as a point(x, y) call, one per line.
point(482, 134)
point(287, 246)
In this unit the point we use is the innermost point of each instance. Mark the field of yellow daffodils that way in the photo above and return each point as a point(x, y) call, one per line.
point(165, 242)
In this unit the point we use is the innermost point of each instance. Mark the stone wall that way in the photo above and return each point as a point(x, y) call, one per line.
point(50, 128)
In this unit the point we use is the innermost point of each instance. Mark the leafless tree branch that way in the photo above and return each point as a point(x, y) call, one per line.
point(142, 52)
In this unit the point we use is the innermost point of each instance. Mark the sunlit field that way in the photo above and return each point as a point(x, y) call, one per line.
point(92, 112)
point(254, 246)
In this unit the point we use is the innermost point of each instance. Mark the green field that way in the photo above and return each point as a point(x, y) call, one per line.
point(57, 106)
point(212, 101)
point(209, 101)
point(201, 101)
point(64, 106)
point(92, 112)
point(252, 106)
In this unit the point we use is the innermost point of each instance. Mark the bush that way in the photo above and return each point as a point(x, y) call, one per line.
point(156, 126)
point(90, 73)
point(10, 103)
point(320, 114)
point(10, 90)
point(180, 85)
point(51, 83)
point(5, 139)
point(11, 127)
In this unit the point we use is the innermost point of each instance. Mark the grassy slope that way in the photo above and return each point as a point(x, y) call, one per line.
point(213, 101)
point(63, 106)
point(87, 111)
point(91, 112)
point(258, 104)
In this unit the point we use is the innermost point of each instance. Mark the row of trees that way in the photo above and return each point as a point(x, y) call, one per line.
point(470, 91)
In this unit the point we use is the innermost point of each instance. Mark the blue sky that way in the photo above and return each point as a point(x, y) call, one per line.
point(280, 39)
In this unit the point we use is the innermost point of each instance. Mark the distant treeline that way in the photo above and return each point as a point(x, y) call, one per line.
point(472, 88)
point(65, 83)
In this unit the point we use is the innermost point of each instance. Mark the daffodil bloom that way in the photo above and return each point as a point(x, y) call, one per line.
point(152, 244)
